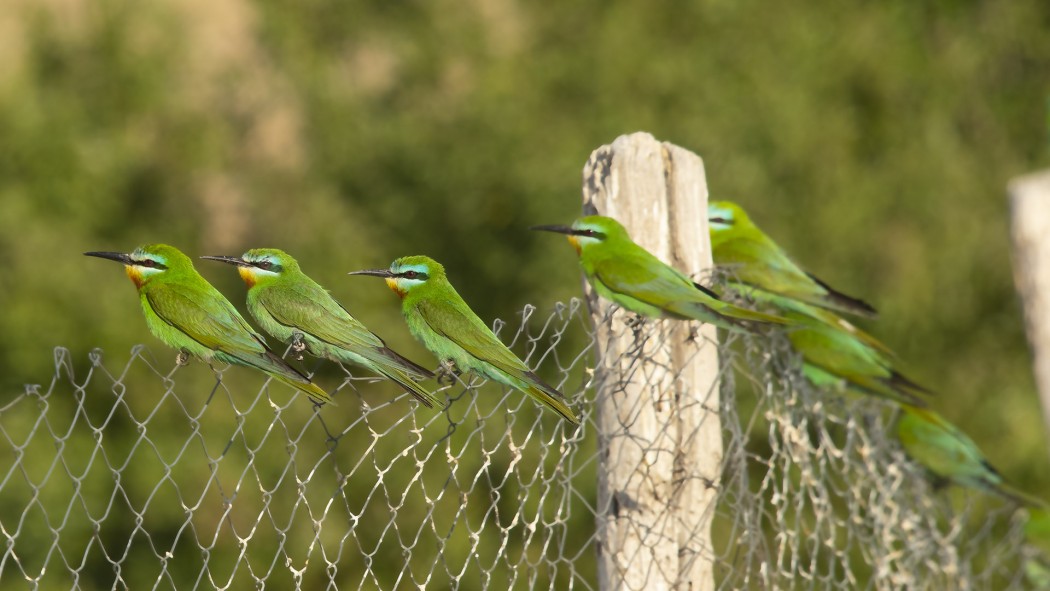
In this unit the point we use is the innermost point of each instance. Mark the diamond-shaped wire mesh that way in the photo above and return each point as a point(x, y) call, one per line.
point(133, 475)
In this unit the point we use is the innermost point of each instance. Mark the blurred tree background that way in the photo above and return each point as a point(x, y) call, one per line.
point(873, 140)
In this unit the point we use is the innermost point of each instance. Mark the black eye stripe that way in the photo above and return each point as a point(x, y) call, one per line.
point(152, 264)
point(413, 274)
point(725, 221)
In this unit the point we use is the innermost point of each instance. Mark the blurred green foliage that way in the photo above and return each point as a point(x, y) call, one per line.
point(873, 140)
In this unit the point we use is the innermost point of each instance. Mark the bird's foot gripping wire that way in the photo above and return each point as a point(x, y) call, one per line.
point(635, 323)
point(298, 345)
point(183, 358)
point(694, 333)
point(447, 373)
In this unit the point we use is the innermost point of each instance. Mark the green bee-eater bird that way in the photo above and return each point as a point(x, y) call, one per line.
point(833, 355)
point(439, 318)
point(621, 271)
point(950, 455)
point(189, 314)
point(287, 304)
point(740, 246)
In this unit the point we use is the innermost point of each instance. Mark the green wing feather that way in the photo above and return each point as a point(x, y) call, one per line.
point(471, 334)
point(836, 347)
point(218, 326)
point(640, 275)
point(758, 261)
point(949, 453)
point(315, 312)
point(830, 318)
point(764, 265)
point(843, 354)
point(205, 318)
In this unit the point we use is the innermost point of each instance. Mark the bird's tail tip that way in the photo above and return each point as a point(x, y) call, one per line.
point(319, 396)
point(1020, 497)
point(555, 404)
point(900, 382)
point(846, 303)
point(316, 394)
point(424, 396)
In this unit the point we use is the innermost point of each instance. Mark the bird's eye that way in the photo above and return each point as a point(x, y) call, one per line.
point(147, 263)
point(264, 264)
point(410, 274)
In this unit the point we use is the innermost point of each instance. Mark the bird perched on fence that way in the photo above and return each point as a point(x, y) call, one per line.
point(439, 318)
point(189, 314)
point(834, 351)
point(621, 271)
point(950, 455)
point(291, 307)
point(836, 356)
point(738, 245)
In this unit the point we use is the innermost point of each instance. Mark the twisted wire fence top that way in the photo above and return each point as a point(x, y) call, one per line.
point(140, 474)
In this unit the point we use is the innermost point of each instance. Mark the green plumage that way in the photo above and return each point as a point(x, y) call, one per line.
point(739, 246)
point(950, 454)
point(189, 314)
point(439, 318)
point(627, 274)
point(835, 353)
point(286, 303)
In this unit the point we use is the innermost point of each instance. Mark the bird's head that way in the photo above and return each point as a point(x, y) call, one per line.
point(260, 265)
point(408, 273)
point(726, 220)
point(724, 216)
point(589, 231)
point(148, 262)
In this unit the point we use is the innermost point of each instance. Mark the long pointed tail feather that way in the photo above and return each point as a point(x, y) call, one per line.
point(547, 395)
point(1018, 496)
point(553, 403)
point(309, 388)
point(867, 386)
point(404, 379)
point(407, 365)
point(845, 303)
point(277, 368)
point(905, 386)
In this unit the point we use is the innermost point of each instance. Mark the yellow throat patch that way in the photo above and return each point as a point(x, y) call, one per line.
point(574, 242)
point(392, 284)
point(134, 275)
point(247, 275)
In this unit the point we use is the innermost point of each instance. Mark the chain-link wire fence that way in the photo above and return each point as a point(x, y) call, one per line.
point(139, 474)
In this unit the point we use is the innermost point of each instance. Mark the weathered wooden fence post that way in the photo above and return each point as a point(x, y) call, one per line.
point(660, 440)
point(1030, 221)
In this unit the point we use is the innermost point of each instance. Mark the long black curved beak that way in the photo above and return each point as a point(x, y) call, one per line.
point(238, 261)
point(556, 228)
point(120, 257)
point(373, 272)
